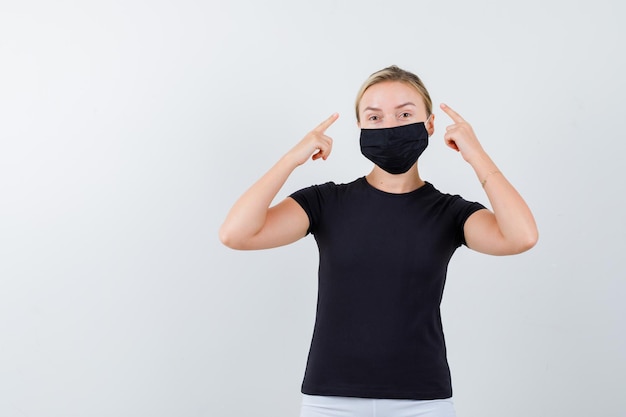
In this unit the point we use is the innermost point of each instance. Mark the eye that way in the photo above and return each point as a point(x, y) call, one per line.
point(405, 115)
point(372, 118)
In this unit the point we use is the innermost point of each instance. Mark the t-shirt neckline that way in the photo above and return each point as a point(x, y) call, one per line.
point(407, 194)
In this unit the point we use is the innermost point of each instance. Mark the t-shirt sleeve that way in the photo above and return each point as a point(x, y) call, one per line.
point(462, 210)
point(311, 199)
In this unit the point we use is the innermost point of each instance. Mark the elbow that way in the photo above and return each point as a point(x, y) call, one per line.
point(528, 241)
point(229, 239)
point(532, 238)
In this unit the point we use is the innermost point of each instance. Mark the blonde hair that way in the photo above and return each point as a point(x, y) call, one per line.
point(394, 73)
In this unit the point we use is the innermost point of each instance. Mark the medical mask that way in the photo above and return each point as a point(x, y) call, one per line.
point(395, 149)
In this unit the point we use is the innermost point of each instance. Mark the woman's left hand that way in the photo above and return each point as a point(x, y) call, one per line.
point(510, 228)
point(460, 136)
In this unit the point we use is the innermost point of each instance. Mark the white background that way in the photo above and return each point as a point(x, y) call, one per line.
point(128, 129)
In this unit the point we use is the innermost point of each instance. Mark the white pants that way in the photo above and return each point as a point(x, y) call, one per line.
point(323, 406)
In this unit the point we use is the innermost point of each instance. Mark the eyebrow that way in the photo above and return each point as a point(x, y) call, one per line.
point(408, 103)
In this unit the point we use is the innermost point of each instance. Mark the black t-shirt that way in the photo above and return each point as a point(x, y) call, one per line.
point(382, 269)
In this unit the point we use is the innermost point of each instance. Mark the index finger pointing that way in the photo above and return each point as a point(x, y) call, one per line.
point(326, 123)
point(453, 115)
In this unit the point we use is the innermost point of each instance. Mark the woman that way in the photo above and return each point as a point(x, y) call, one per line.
point(385, 241)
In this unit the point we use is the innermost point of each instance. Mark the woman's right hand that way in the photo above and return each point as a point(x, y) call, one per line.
point(316, 144)
point(251, 223)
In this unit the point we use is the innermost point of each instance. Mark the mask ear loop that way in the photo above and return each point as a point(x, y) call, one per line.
point(426, 122)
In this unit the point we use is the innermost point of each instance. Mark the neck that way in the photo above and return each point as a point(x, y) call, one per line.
point(395, 184)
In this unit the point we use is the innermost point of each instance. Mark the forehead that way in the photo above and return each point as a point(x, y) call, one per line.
point(390, 93)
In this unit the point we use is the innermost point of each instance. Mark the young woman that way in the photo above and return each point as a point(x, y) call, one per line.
point(385, 241)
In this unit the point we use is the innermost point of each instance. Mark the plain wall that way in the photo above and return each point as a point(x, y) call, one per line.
point(129, 128)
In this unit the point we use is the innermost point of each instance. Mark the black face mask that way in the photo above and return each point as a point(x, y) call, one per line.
point(395, 149)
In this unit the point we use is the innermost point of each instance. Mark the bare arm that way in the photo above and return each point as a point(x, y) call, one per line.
point(510, 228)
point(251, 223)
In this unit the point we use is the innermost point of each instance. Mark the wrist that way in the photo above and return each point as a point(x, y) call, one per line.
point(479, 160)
point(289, 161)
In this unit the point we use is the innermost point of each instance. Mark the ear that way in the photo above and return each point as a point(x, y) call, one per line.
point(430, 124)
